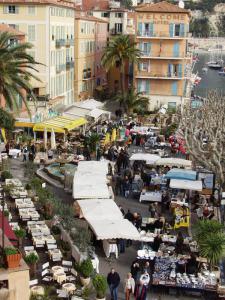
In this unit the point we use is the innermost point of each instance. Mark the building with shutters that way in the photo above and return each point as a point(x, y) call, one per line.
point(49, 26)
point(90, 40)
point(162, 74)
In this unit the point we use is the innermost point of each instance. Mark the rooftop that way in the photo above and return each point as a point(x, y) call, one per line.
point(89, 18)
point(163, 6)
point(63, 3)
point(95, 4)
point(9, 29)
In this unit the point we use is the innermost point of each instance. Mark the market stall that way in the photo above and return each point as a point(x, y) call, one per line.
point(147, 157)
point(173, 161)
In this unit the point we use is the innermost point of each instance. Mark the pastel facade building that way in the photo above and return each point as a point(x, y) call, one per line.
point(90, 41)
point(49, 26)
point(162, 32)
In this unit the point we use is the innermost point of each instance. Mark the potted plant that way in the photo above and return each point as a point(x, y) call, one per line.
point(29, 190)
point(20, 234)
point(86, 269)
point(66, 249)
point(6, 175)
point(100, 285)
point(32, 259)
point(13, 257)
point(56, 231)
point(6, 213)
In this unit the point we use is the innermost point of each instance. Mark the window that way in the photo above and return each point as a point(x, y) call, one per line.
point(105, 14)
point(31, 33)
point(118, 15)
point(177, 30)
point(118, 27)
point(11, 9)
point(14, 26)
point(145, 66)
point(31, 10)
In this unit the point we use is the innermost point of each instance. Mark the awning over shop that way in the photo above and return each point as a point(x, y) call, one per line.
point(90, 104)
point(181, 174)
point(149, 158)
point(8, 230)
point(60, 124)
point(97, 113)
point(186, 184)
point(173, 161)
point(106, 220)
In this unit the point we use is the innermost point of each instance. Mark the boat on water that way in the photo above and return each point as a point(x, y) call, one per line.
point(205, 70)
point(222, 73)
point(215, 64)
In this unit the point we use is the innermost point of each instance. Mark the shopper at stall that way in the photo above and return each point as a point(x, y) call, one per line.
point(126, 187)
point(157, 242)
point(129, 286)
point(113, 280)
point(141, 290)
point(192, 265)
point(135, 270)
point(179, 243)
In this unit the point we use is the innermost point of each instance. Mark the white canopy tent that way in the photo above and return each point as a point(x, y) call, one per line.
point(194, 185)
point(149, 158)
point(90, 104)
point(93, 167)
point(82, 178)
point(99, 209)
point(97, 113)
point(114, 229)
point(173, 161)
point(91, 191)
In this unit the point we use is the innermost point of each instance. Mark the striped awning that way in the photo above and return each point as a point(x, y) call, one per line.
point(60, 124)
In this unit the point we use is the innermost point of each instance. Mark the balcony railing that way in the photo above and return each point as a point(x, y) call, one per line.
point(69, 42)
point(162, 34)
point(87, 76)
point(60, 42)
point(159, 75)
point(69, 64)
point(165, 54)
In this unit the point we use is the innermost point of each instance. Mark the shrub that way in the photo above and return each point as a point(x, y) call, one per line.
point(6, 213)
point(65, 246)
point(10, 251)
point(86, 268)
point(56, 229)
point(28, 187)
point(31, 258)
point(100, 285)
point(20, 233)
point(6, 175)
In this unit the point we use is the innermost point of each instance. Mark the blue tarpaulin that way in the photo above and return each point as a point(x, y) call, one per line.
point(181, 174)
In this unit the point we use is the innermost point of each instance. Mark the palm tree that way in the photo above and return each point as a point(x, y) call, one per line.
point(202, 228)
point(133, 102)
point(119, 51)
point(16, 70)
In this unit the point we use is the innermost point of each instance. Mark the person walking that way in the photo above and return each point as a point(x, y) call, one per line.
point(113, 280)
point(142, 287)
point(129, 286)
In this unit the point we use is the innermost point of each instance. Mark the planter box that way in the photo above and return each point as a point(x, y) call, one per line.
point(13, 260)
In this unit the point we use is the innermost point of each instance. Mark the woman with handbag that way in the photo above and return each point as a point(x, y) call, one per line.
point(129, 286)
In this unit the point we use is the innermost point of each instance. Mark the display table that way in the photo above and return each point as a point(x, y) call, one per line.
point(110, 247)
point(14, 153)
point(151, 196)
point(59, 274)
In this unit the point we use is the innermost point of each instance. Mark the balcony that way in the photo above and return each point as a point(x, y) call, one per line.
point(115, 32)
point(69, 64)
point(60, 42)
point(87, 75)
point(161, 35)
point(165, 55)
point(69, 42)
point(60, 68)
point(158, 75)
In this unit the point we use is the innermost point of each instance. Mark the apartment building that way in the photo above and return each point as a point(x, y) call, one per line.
point(49, 26)
point(162, 32)
point(90, 40)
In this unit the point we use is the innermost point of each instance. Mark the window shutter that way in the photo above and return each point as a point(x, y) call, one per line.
point(5, 9)
point(170, 69)
point(140, 29)
point(16, 9)
point(147, 87)
point(151, 29)
point(176, 50)
point(182, 28)
point(179, 70)
point(171, 29)
point(174, 88)
point(139, 86)
point(149, 48)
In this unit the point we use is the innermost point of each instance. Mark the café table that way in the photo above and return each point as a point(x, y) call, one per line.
point(37, 290)
point(55, 253)
point(69, 287)
point(58, 274)
point(28, 252)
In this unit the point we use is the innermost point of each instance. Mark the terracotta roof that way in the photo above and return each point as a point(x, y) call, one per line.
point(90, 18)
point(7, 28)
point(95, 4)
point(161, 7)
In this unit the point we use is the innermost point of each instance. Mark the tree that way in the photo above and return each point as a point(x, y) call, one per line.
point(127, 4)
point(6, 119)
point(133, 102)
point(221, 25)
point(120, 50)
point(204, 133)
point(200, 27)
point(17, 68)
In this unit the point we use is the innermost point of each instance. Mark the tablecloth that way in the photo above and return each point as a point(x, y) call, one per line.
point(151, 196)
point(69, 287)
point(110, 248)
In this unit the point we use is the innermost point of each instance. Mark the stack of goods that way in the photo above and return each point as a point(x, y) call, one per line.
point(204, 280)
point(165, 271)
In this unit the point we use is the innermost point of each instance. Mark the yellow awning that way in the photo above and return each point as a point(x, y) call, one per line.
point(24, 124)
point(59, 124)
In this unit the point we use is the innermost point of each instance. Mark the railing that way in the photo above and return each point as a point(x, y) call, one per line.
point(165, 34)
point(60, 42)
point(159, 75)
point(165, 54)
point(69, 64)
point(115, 32)
point(69, 42)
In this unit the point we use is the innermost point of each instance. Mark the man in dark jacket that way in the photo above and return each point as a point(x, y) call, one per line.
point(113, 280)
